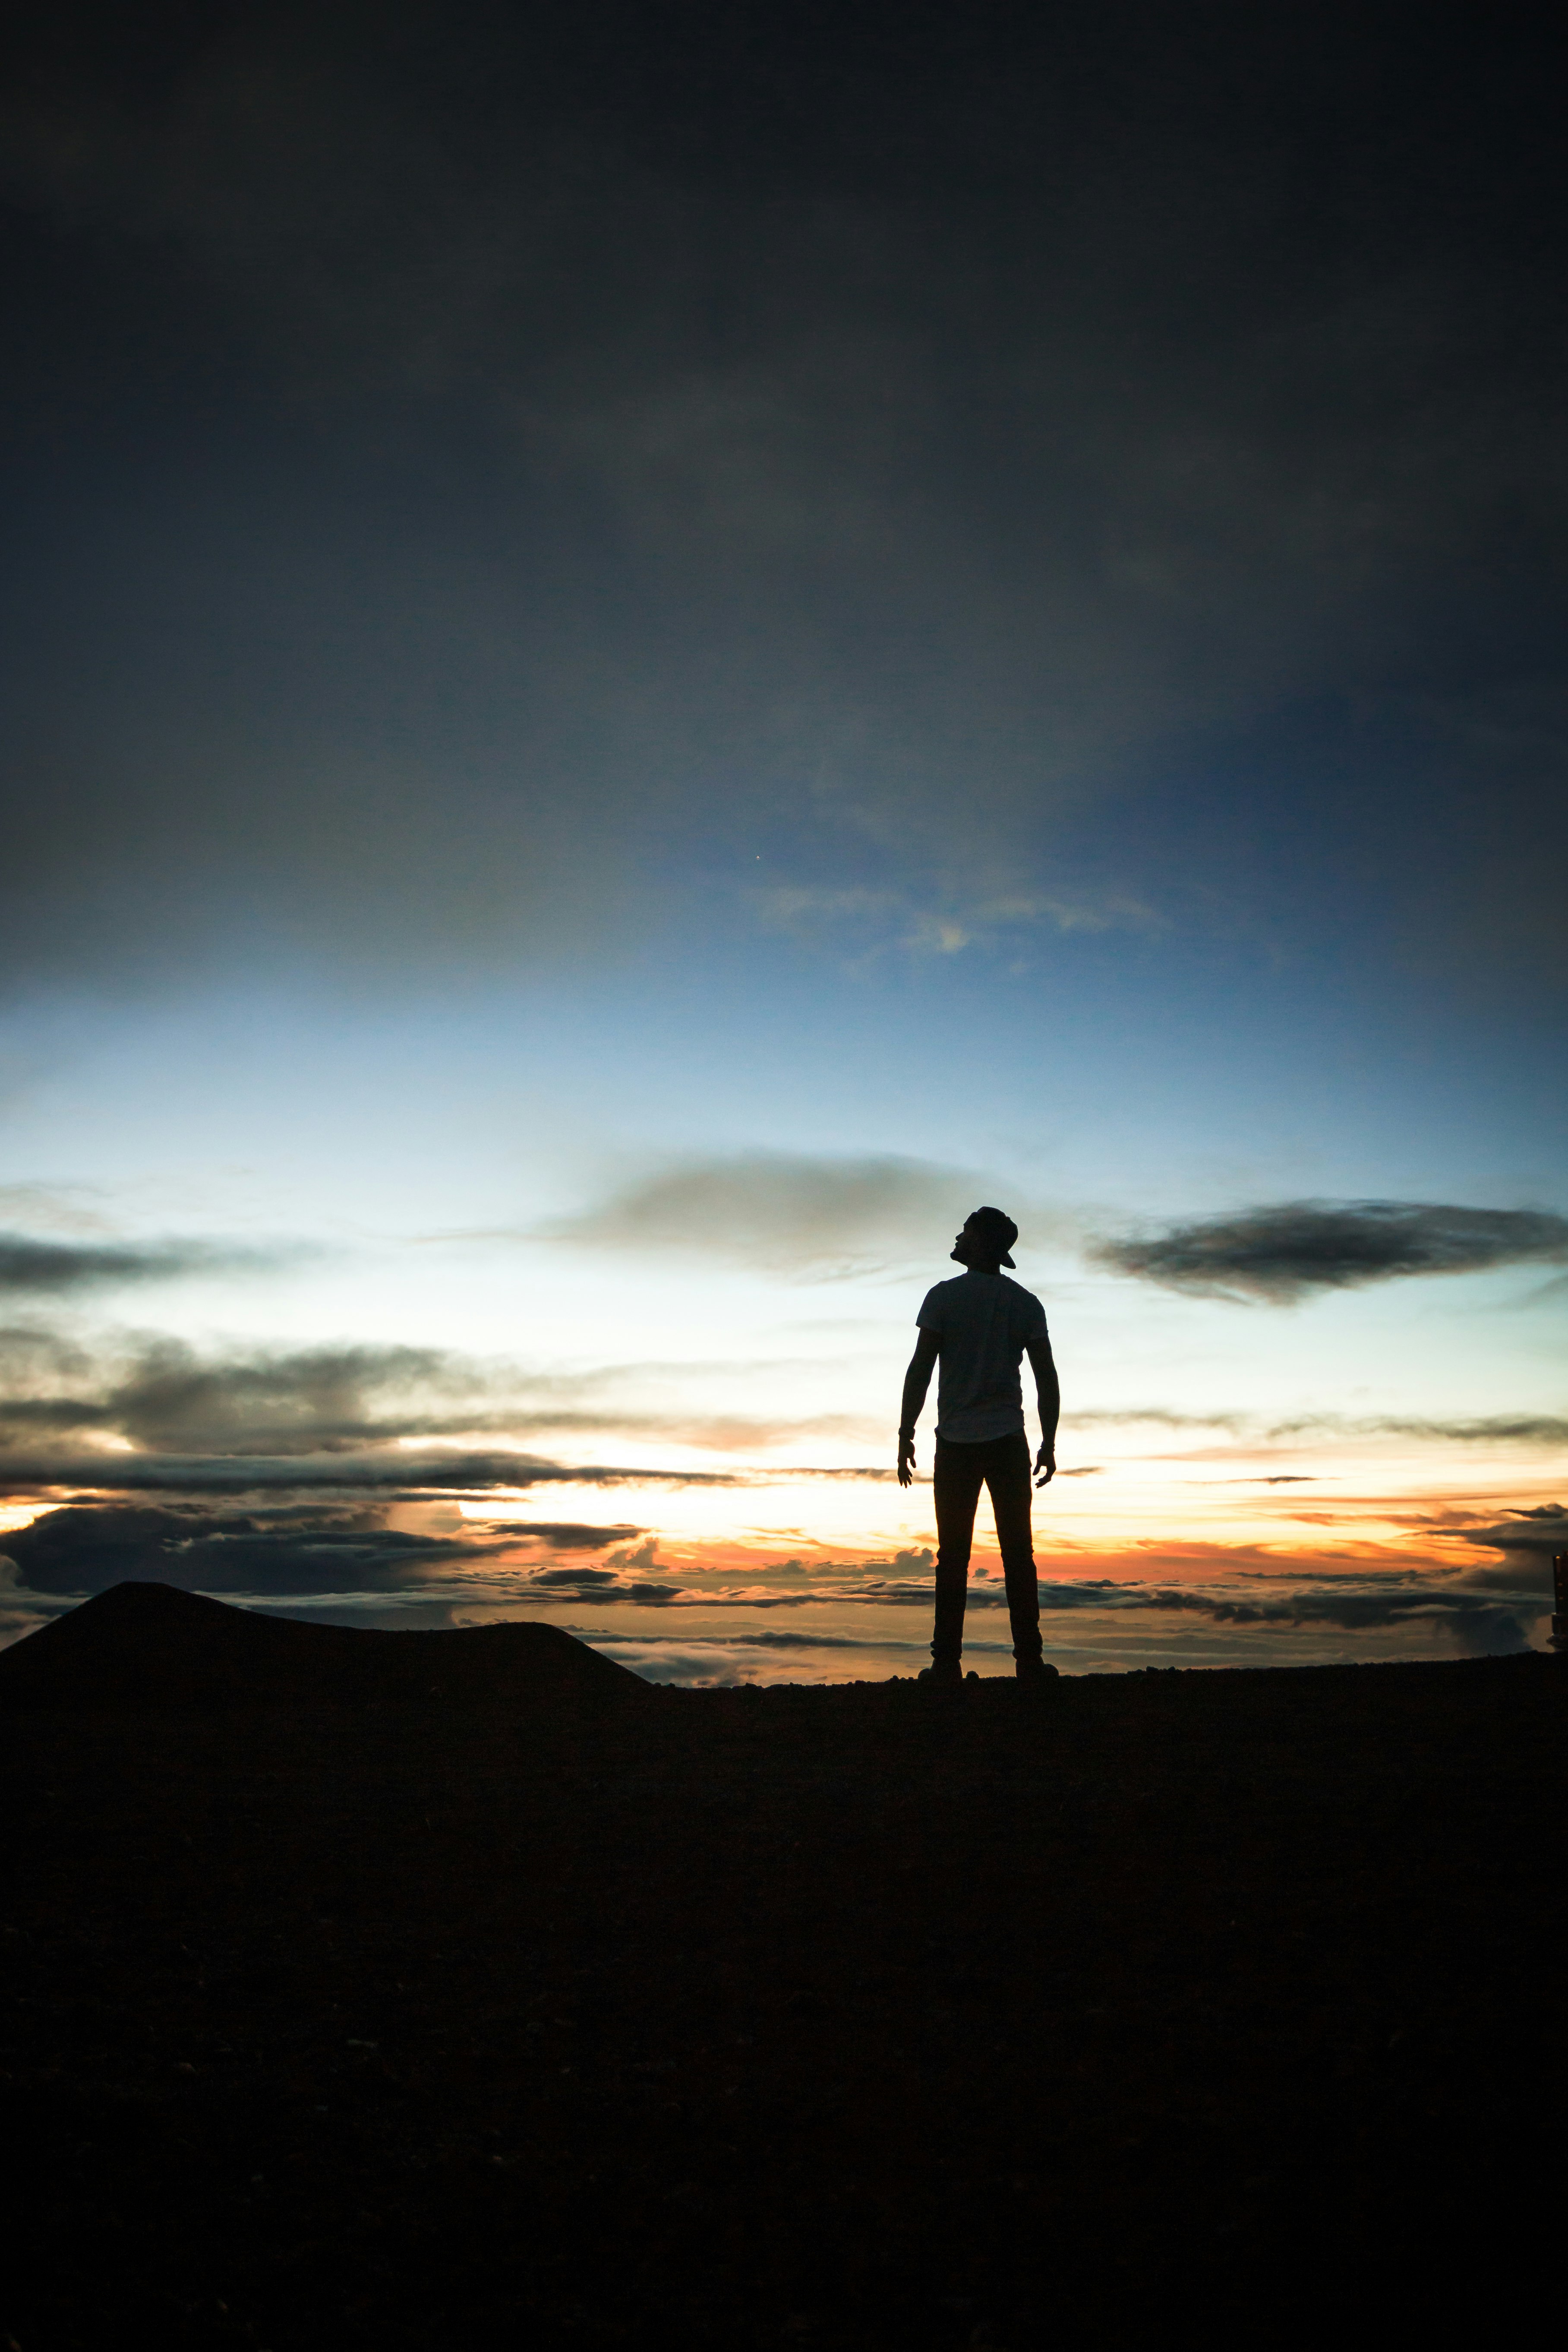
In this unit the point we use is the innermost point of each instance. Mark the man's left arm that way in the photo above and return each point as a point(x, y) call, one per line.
point(1050, 1395)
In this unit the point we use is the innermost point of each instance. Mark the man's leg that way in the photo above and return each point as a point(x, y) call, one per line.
point(1008, 1475)
point(956, 1481)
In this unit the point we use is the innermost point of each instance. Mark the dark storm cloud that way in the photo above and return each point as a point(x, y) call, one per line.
point(57, 1269)
point(785, 1211)
point(1281, 1255)
point(500, 441)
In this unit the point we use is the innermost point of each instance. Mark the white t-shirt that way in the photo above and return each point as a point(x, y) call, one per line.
point(984, 1322)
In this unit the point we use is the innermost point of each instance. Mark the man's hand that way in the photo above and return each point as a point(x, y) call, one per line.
point(906, 1459)
point(1046, 1465)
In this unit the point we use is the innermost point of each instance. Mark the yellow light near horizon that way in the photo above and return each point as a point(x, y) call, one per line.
point(1171, 1521)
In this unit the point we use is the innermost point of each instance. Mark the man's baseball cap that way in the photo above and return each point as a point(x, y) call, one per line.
point(995, 1231)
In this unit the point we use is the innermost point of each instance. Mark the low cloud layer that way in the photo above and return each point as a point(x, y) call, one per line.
point(1281, 1255)
point(317, 1548)
point(346, 1562)
point(1528, 1540)
point(86, 1547)
point(381, 1559)
point(788, 1212)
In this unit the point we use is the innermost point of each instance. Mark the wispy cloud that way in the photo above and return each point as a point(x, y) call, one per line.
point(1484, 1428)
point(788, 1212)
point(155, 1415)
point(1283, 1254)
point(57, 1208)
point(1427, 1429)
point(160, 1394)
point(862, 924)
point(1155, 1416)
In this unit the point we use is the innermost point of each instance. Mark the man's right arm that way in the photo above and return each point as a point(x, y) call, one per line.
point(917, 1380)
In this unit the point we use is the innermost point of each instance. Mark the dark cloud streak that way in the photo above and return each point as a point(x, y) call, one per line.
point(562, 1535)
point(1281, 1255)
point(30, 1267)
point(387, 1472)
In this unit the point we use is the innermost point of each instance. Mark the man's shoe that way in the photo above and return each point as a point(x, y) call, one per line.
point(943, 1673)
point(1037, 1677)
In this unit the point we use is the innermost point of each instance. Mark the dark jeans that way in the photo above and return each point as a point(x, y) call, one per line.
point(1004, 1464)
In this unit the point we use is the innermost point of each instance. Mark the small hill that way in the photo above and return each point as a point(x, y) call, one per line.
point(152, 1646)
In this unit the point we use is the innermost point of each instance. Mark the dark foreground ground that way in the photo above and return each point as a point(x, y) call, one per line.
point(1217, 2007)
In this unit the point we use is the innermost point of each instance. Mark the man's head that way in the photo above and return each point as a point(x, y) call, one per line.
point(986, 1238)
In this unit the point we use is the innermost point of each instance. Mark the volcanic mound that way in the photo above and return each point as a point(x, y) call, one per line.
point(154, 1646)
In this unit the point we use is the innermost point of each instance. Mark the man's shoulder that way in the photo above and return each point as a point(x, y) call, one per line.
point(1026, 1301)
point(937, 1295)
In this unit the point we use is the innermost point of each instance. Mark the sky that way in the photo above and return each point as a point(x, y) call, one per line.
point(651, 649)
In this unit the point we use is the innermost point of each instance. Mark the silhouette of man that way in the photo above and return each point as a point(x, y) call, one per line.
point(978, 1327)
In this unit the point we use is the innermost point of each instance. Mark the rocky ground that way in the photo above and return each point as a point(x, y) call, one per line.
point(1209, 2006)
